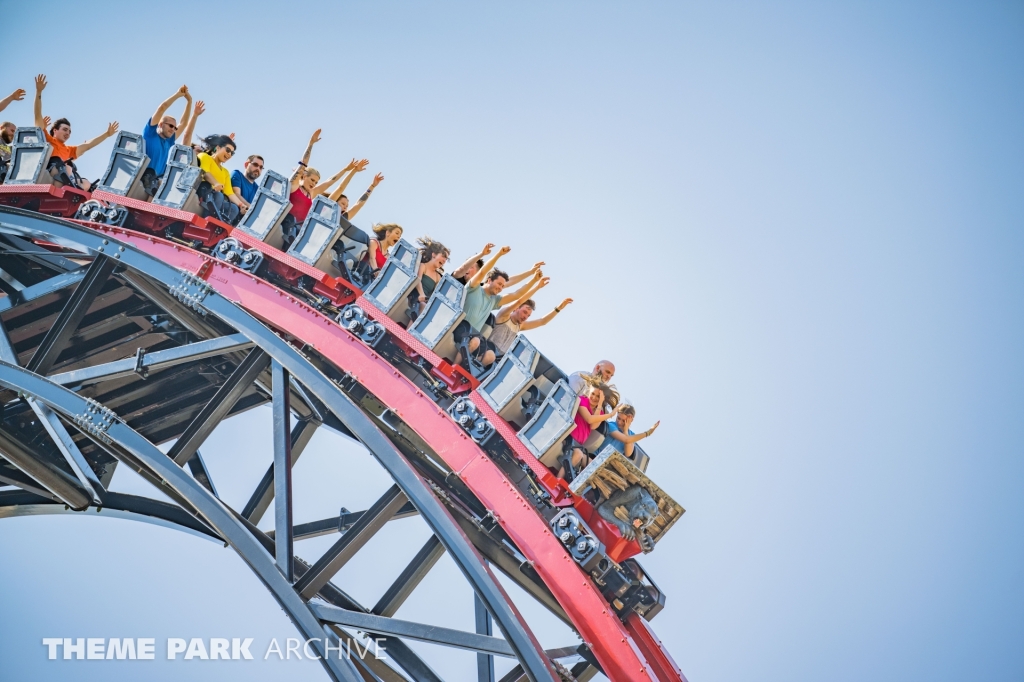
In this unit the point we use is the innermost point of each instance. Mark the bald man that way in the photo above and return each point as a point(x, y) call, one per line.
point(604, 370)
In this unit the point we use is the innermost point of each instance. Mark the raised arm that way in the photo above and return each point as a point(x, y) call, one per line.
point(89, 144)
point(352, 168)
point(377, 179)
point(325, 185)
point(540, 322)
point(186, 136)
point(628, 440)
point(297, 173)
point(186, 118)
point(15, 96)
point(516, 279)
point(166, 104)
point(524, 292)
point(479, 276)
point(461, 270)
point(37, 105)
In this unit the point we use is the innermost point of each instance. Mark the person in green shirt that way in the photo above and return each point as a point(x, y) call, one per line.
point(481, 298)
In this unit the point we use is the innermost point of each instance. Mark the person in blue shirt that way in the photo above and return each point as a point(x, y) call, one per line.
point(244, 184)
point(159, 134)
point(620, 436)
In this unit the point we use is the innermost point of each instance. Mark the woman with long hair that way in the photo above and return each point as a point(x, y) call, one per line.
point(590, 414)
point(218, 197)
point(433, 256)
point(387, 235)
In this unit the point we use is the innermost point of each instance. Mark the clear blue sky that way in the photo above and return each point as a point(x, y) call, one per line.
point(796, 229)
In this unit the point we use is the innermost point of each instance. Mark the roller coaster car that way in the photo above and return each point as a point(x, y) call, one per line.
point(618, 500)
point(397, 277)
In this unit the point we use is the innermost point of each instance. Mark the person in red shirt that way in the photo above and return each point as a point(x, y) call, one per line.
point(306, 186)
point(62, 167)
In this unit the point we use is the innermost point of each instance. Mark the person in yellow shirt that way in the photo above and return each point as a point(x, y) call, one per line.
point(220, 200)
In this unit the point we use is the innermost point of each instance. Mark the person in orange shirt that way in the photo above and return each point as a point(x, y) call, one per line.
point(62, 167)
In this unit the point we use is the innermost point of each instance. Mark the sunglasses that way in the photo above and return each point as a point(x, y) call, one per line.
point(230, 151)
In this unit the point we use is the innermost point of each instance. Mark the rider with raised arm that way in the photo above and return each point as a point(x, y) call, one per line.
point(305, 187)
point(160, 134)
point(514, 318)
point(480, 299)
point(61, 164)
point(620, 436)
point(466, 271)
point(338, 195)
point(350, 213)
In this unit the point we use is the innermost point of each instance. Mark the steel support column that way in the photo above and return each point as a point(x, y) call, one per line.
point(484, 661)
point(282, 471)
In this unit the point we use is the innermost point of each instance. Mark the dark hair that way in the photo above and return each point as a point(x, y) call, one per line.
point(58, 123)
point(495, 274)
point(479, 263)
point(628, 410)
point(430, 248)
point(529, 302)
point(254, 156)
point(211, 143)
point(342, 196)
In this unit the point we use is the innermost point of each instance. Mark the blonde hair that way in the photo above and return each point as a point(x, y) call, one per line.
point(382, 229)
point(310, 171)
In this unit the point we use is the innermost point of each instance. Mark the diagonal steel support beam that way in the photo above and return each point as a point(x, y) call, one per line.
point(261, 498)
point(49, 286)
point(340, 524)
point(151, 362)
point(283, 546)
point(351, 542)
point(87, 478)
point(434, 634)
point(56, 481)
point(200, 472)
point(410, 578)
point(219, 406)
point(62, 439)
point(66, 324)
point(11, 475)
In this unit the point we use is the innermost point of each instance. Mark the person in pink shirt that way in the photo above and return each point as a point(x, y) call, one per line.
point(590, 413)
